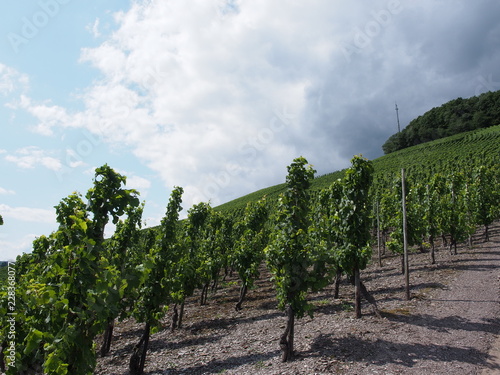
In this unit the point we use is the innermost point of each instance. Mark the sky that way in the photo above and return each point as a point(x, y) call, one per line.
point(216, 96)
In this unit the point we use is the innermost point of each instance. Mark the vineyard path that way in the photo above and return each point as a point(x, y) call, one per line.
point(466, 314)
point(450, 326)
point(455, 330)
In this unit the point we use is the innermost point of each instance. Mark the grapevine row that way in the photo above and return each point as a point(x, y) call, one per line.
point(75, 284)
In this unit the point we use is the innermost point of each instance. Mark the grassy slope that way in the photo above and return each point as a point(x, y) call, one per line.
point(478, 143)
point(482, 143)
point(3, 272)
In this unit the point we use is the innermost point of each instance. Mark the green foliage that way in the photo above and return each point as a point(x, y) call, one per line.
point(456, 116)
point(67, 289)
point(108, 198)
point(353, 217)
point(3, 272)
point(125, 254)
point(193, 263)
point(392, 211)
point(454, 206)
point(432, 213)
point(484, 194)
point(252, 237)
point(323, 235)
point(74, 282)
point(237, 206)
point(288, 254)
point(342, 220)
point(430, 167)
point(461, 151)
point(215, 241)
point(163, 254)
point(450, 203)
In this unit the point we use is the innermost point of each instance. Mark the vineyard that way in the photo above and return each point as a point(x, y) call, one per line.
point(299, 245)
point(458, 152)
point(454, 117)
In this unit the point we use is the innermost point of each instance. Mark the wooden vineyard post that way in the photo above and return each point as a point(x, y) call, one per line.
point(378, 235)
point(405, 239)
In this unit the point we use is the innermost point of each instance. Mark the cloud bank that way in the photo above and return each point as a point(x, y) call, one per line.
point(219, 96)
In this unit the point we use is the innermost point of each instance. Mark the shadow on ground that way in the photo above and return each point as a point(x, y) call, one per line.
point(447, 323)
point(382, 352)
point(219, 366)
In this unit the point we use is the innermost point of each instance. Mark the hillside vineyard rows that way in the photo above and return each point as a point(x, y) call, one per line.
point(59, 313)
point(454, 117)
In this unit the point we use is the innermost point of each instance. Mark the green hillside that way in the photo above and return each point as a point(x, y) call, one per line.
point(477, 147)
point(454, 117)
point(3, 271)
point(273, 192)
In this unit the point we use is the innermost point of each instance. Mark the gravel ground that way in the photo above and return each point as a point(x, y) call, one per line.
point(450, 325)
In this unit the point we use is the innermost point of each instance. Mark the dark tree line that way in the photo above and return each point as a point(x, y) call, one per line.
point(456, 116)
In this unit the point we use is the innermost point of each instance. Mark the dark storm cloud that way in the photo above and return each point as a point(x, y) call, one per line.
point(425, 54)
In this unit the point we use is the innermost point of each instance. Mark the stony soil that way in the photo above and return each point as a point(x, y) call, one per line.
point(450, 325)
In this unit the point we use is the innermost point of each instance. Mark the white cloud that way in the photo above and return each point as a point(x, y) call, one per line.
point(138, 183)
point(94, 28)
point(11, 80)
point(6, 191)
point(198, 103)
point(193, 89)
point(48, 115)
point(29, 214)
point(74, 159)
point(11, 249)
point(32, 156)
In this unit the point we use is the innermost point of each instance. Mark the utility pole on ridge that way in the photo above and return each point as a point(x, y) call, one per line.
point(397, 116)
